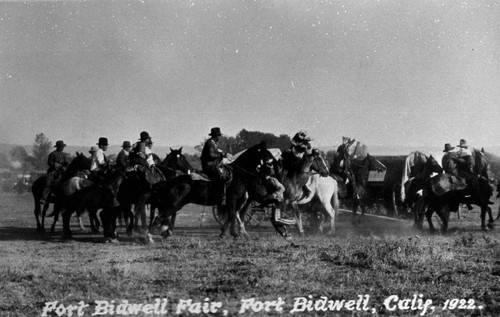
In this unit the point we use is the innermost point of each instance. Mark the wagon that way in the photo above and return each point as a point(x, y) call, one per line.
point(384, 188)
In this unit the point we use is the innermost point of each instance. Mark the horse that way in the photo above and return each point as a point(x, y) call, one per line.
point(312, 172)
point(451, 199)
point(182, 190)
point(361, 196)
point(76, 166)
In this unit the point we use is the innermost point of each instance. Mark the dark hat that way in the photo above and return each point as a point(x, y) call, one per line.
point(103, 141)
point(144, 136)
point(126, 144)
point(463, 143)
point(215, 132)
point(60, 143)
point(448, 147)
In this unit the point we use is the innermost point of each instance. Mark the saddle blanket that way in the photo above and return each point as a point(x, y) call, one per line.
point(443, 183)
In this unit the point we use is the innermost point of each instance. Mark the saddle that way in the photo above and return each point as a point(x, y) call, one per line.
point(152, 175)
point(444, 183)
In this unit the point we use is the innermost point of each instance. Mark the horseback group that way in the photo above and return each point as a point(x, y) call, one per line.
point(462, 178)
point(138, 177)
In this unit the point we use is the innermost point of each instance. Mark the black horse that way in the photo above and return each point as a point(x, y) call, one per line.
point(451, 199)
point(182, 190)
point(79, 164)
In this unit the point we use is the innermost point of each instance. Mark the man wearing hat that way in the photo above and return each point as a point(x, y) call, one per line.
point(464, 169)
point(300, 144)
point(123, 160)
point(142, 150)
point(57, 162)
point(211, 158)
point(448, 160)
point(99, 163)
point(211, 155)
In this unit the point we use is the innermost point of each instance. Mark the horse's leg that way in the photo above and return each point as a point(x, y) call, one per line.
point(445, 216)
point(46, 206)
point(227, 218)
point(80, 221)
point(240, 217)
point(233, 214)
point(298, 217)
point(66, 215)
point(428, 214)
point(490, 217)
point(37, 215)
point(418, 213)
point(57, 211)
point(325, 199)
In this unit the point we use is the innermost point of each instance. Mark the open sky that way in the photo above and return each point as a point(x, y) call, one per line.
point(387, 72)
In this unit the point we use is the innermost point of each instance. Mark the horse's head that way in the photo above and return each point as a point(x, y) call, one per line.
point(79, 163)
point(431, 166)
point(481, 163)
point(373, 164)
point(253, 157)
point(177, 161)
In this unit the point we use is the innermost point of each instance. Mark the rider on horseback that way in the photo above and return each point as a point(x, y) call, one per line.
point(123, 159)
point(99, 162)
point(299, 147)
point(57, 162)
point(143, 159)
point(211, 159)
point(464, 169)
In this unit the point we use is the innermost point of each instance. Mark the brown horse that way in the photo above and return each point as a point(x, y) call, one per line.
point(182, 190)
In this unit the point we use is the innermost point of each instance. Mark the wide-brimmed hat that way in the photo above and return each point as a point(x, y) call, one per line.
point(144, 136)
point(448, 147)
point(463, 143)
point(126, 144)
point(93, 149)
point(103, 141)
point(60, 143)
point(215, 132)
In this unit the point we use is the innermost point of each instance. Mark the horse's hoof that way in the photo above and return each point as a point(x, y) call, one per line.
point(490, 226)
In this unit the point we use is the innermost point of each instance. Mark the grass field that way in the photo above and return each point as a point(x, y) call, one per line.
point(374, 267)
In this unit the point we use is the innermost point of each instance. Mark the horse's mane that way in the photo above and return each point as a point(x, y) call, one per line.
point(249, 154)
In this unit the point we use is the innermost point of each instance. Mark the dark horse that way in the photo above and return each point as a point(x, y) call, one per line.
point(451, 199)
point(79, 164)
point(182, 190)
point(361, 196)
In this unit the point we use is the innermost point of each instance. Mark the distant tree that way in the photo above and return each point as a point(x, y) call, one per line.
point(246, 139)
point(41, 150)
point(19, 158)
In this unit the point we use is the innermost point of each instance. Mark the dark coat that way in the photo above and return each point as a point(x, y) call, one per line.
point(122, 160)
point(210, 156)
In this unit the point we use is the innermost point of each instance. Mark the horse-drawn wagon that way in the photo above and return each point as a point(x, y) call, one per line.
point(384, 189)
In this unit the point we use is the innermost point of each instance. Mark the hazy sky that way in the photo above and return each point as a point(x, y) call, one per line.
point(417, 73)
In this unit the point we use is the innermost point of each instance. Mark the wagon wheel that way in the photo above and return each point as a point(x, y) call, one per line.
point(253, 217)
point(256, 215)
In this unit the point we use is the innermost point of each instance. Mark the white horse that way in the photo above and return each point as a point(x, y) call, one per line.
point(312, 173)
